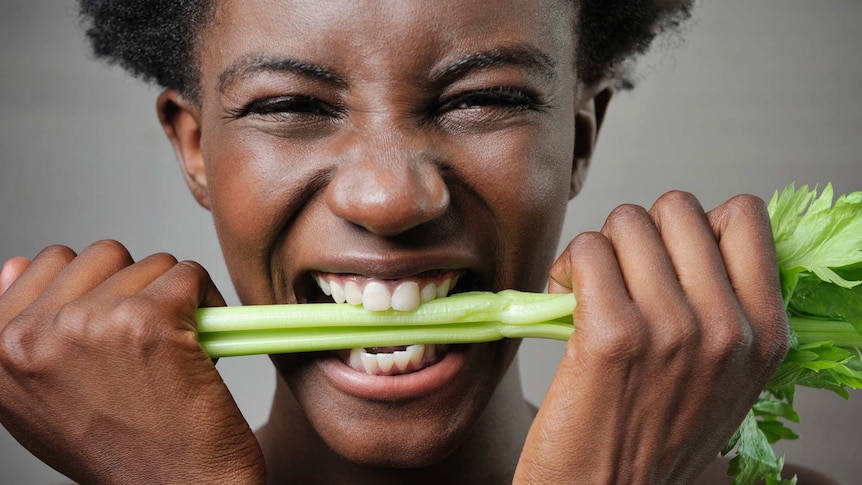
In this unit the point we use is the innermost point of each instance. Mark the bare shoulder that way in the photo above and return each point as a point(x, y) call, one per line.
point(716, 474)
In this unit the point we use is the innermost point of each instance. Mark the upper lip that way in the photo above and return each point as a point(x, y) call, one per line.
point(388, 266)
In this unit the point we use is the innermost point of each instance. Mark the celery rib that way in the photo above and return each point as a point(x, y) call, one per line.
point(464, 318)
point(306, 339)
point(274, 329)
point(811, 330)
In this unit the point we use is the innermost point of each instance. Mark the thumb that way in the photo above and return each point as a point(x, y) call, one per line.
point(560, 277)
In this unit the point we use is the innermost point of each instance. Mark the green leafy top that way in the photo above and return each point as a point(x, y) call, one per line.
point(819, 248)
point(812, 235)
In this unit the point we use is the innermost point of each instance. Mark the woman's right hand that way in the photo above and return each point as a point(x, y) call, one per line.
point(102, 376)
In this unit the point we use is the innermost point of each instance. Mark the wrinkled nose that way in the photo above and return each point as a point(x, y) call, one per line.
point(389, 190)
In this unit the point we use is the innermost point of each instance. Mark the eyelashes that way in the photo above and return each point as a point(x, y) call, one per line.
point(504, 97)
point(283, 108)
point(487, 104)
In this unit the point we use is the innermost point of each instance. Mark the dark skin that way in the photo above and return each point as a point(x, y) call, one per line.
point(417, 138)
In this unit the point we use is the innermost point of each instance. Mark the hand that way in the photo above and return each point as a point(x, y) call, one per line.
point(678, 327)
point(101, 374)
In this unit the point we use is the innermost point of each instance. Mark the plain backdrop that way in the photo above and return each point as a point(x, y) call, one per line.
point(760, 93)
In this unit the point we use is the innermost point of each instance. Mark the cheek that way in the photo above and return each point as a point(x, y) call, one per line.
point(253, 192)
point(525, 182)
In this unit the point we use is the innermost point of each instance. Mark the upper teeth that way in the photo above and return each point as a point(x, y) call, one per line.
point(377, 295)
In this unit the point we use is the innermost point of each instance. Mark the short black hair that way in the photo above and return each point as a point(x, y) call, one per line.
point(155, 39)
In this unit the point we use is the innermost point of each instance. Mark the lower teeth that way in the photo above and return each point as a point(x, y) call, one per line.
point(394, 360)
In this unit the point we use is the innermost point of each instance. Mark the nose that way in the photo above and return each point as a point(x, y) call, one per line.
point(388, 185)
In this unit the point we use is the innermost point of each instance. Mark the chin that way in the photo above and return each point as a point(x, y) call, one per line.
point(415, 422)
point(412, 434)
point(405, 451)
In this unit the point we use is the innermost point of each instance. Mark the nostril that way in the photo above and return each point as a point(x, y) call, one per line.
point(388, 200)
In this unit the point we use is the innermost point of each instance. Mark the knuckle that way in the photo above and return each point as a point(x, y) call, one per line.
point(113, 251)
point(744, 208)
point(17, 346)
point(196, 274)
point(763, 343)
point(675, 200)
point(773, 344)
point(587, 242)
point(134, 320)
point(746, 204)
point(133, 310)
point(580, 253)
point(726, 339)
point(678, 343)
point(57, 252)
point(677, 197)
point(626, 218)
point(192, 267)
point(72, 321)
point(616, 343)
point(626, 213)
point(163, 259)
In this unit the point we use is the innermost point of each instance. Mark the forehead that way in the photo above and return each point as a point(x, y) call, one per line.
point(403, 37)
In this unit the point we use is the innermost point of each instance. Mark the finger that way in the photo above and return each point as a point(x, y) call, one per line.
point(693, 250)
point(93, 266)
point(607, 331)
point(589, 267)
point(579, 266)
point(134, 278)
point(588, 249)
point(671, 324)
point(646, 268)
point(183, 289)
point(746, 244)
point(12, 269)
point(700, 267)
point(33, 281)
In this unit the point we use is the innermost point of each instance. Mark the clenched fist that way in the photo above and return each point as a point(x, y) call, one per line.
point(101, 374)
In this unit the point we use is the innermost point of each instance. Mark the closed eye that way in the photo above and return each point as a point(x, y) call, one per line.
point(488, 106)
point(291, 108)
point(503, 97)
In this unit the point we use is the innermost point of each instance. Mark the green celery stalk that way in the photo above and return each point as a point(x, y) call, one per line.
point(463, 318)
point(819, 248)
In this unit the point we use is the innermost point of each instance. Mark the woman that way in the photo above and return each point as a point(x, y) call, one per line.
point(386, 146)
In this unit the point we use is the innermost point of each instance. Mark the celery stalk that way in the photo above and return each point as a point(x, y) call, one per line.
point(840, 334)
point(304, 339)
point(464, 318)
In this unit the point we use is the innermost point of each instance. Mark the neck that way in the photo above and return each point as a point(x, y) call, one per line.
point(295, 452)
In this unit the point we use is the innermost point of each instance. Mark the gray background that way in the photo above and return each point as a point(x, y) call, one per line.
point(761, 93)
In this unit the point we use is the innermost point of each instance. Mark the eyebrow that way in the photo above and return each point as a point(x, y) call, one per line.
point(518, 55)
point(256, 64)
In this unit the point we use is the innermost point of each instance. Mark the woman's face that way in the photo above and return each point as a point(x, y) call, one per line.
point(382, 152)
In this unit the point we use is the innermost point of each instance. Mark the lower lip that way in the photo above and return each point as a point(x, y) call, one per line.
point(398, 387)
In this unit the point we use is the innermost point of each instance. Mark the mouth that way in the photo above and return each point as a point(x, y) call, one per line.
point(400, 294)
